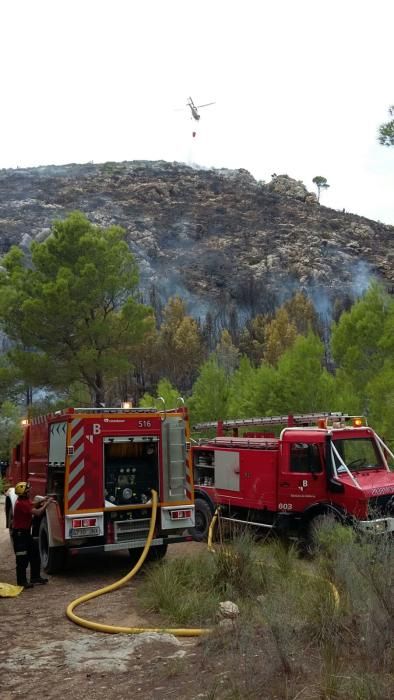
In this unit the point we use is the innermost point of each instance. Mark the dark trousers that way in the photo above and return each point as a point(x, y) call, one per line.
point(26, 552)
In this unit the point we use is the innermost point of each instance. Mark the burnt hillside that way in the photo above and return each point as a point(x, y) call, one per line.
point(219, 238)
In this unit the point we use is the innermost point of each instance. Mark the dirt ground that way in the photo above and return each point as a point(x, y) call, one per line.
point(43, 654)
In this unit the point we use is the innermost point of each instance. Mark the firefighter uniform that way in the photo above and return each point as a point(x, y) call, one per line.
point(25, 543)
point(25, 551)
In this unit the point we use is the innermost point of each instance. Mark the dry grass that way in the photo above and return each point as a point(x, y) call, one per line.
point(293, 639)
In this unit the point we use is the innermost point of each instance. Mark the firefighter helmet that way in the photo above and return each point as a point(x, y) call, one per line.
point(21, 488)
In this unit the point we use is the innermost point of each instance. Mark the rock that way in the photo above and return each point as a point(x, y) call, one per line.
point(226, 624)
point(227, 609)
point(26, 241)
point(285, 185)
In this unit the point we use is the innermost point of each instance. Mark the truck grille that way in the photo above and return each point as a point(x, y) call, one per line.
point(129, 530)
point(381, 506)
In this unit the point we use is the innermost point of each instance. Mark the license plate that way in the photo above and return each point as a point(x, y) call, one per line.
point(84, 531)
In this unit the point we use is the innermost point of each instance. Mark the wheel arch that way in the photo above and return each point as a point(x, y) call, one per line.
point(54, 522)
point(324, 509)
point(204, 497)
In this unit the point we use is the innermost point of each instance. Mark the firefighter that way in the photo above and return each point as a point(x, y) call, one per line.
point(25, 550)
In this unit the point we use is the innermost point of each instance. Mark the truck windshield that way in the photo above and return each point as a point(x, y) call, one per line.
point(359, 454)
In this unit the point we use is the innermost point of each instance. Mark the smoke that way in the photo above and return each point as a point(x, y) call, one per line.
point(362, 276)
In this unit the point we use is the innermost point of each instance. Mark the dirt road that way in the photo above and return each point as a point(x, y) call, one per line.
point(43, 654)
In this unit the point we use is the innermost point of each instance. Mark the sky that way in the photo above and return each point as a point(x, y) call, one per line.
point(300, 87)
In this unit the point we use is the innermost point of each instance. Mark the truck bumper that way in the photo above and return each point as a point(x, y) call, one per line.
point(135, 544)
point(378, 526)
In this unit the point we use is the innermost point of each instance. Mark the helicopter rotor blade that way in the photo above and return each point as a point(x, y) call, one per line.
point(206, 105)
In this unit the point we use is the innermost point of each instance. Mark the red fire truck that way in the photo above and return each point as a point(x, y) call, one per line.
point(321, 465)
point(101, 466)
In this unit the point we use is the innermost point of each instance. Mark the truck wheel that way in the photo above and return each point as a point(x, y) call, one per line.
point(53, 559)
point(157, 552)
point(203, 515)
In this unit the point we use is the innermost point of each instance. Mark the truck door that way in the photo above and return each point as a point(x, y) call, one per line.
point(302, 473)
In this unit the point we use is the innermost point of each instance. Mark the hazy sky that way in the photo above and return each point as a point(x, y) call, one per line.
point(300, 88)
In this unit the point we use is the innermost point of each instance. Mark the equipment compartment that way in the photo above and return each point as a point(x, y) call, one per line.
point(204, 467)
point(130, 470)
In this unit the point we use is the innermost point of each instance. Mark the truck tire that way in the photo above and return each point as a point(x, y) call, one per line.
point(156, 553)
point(134, 554)
point(203, 515)
point(53, 559)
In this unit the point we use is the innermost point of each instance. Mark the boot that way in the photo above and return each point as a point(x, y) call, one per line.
point(39, 579)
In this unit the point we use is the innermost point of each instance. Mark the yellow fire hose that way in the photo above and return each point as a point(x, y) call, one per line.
point(114, 629)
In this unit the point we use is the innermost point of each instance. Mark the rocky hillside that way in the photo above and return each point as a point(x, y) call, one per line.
point(219, 238)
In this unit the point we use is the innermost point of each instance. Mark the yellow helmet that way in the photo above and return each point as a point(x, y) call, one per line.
point(21, 488)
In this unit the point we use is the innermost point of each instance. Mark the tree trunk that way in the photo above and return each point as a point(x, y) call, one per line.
point(99, 391)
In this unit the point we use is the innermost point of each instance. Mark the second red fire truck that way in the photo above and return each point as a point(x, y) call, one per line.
point(321, 465)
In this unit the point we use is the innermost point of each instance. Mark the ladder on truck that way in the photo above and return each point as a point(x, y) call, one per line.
point(290, 420)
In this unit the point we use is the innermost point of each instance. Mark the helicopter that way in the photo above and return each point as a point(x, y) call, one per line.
point(194, 109)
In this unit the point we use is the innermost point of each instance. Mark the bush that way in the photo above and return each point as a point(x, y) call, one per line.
point(170, 589)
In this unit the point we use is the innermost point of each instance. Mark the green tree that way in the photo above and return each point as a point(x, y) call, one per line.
point(242, 390)
point(166, 391)
point(11, 388)
point(179, 345)
point(210, 393)
point(10, 428)
point(356, 337)
point(72, 314)
point(226, 353)
point(280, 334)
point(386, 131)
point(263, 390)
point(321, 184)
point(303, 384)
point(380, 388)
point(381, 402)
point(297, 384)
point(302, 313)
point(252, 340)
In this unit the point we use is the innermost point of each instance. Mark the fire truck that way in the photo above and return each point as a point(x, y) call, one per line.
point(100, 466)
point(321, 466)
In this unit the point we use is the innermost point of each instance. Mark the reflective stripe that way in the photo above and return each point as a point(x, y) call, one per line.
point(77, 469)
point(76, 488)
point(76, 435)
point(77, 503)
point(20, 554)
point(76, 479)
